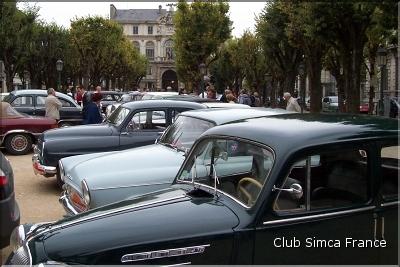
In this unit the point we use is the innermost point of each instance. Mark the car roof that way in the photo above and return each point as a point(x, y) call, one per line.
point(288, 131)
point(36, 92)
point(110, 92)
point(162, 103)
point(218, 104)
point(225, 115)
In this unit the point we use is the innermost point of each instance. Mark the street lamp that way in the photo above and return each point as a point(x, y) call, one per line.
point(59, 67)
point(301, 70)
point(381, 60)
point(203, 70)
point(268, 79)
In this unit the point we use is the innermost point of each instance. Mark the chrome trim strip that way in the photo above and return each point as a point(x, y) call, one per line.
point(178, 264)
point(164, 253)
point(213, 190)
point(392, 203)
point(318, 216)
point(105, 214)
point(127, 186)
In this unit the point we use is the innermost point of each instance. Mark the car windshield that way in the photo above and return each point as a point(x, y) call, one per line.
point(7, 111)
point(118, 116)
point(236, 168)
point(184, 131)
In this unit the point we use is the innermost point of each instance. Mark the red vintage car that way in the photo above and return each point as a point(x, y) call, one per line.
point(19, 131)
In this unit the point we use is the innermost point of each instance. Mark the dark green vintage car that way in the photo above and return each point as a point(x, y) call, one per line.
point(290, 189)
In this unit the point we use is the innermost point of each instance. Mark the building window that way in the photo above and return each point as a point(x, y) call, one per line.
point(135, 29)
point(150, 29)
point(150, 50)
point(169, 52)
point(149, 70)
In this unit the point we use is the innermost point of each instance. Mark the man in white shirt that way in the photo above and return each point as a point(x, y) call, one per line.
point(292, 104)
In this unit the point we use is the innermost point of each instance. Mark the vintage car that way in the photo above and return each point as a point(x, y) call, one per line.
point(19, 131)
point(133, 124)
point(31, 102)
point(126, 173)
point(330, 104)
point(311, 189)
point(125, 97)
point(9, 210)
point(109, 98)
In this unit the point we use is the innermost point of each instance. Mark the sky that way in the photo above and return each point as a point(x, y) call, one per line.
point(242, 14)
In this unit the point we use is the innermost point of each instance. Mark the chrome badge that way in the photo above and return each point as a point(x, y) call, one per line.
point(157, 254)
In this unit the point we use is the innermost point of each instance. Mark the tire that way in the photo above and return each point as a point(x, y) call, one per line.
point(60, 183)
point(18, 143)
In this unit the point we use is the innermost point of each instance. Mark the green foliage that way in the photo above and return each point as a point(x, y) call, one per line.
point(200, 28)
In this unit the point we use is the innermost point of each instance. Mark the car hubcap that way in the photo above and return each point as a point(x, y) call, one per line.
point(19, 143)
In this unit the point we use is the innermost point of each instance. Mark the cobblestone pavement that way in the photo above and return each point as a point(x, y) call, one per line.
point(37, 196)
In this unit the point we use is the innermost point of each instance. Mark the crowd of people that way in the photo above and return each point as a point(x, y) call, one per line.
point(89, 101)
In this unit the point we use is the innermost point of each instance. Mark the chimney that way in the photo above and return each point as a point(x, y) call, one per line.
point(159, 9)
point(113, 11)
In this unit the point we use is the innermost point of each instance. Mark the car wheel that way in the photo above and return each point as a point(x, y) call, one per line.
point(18, 144)
point(60, 183)
point(64, 124)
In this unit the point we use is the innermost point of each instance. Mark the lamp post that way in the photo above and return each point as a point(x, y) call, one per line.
point(59, 67)
point(268, 79)
point(381, 60)
point(301, 70)
point(202, 68)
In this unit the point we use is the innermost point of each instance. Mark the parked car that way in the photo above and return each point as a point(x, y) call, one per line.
point(3, 95)
point(109, 97)
point(330, 104)
point(249, 193)
point(126, 173)
point(157, 95)
point(31, 102)
point(19, 131)
point(364, 108)
point(9, 210)
point(133, 124)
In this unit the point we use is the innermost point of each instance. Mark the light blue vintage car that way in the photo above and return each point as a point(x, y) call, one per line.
point(94, 180)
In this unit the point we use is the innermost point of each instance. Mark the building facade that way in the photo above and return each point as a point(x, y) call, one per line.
point(150, 31)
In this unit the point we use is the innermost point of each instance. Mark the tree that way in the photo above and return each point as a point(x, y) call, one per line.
point(200, 29)
point(15, 34)
point(283, 55)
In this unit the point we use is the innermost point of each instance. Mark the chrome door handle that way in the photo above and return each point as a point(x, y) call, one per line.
point(124, 133)
point(375, 225)
point(383, 228)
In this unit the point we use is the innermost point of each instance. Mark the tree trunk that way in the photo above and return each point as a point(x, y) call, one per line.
point(314, 67)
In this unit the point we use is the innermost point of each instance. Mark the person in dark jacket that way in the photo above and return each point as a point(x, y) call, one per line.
point(93, 115)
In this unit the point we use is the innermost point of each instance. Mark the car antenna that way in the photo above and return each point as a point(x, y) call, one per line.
point(216, 180)
point(194, 172)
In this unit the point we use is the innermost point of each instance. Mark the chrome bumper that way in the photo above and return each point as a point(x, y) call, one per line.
point(42, 169)
point(64, 201)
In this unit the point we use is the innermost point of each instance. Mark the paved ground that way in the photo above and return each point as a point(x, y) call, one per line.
point(37, 196)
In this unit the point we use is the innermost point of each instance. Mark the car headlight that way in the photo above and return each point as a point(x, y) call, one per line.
point(85, 193)
point(17, 238)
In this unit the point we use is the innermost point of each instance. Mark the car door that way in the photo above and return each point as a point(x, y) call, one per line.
point(319, 210)
point(143, 128)
point(40, 107)
point(69, 111)
point(24, 103)
point(388, 209)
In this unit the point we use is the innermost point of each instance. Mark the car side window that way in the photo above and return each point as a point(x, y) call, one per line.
point(147, 120)
point(65, 103)
point(40, 101)
point(23, 101)
point(389, 173)
point(324, 181)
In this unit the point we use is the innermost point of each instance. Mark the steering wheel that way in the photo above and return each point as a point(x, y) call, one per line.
point(243, 190)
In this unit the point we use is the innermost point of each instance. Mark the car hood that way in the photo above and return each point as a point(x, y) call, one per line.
point(147, 164)
point(156, 217)
point(79, 131)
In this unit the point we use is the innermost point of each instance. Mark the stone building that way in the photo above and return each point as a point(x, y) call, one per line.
point(150, 31)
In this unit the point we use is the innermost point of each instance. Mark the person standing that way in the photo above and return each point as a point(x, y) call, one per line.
point(291, 103)
point(92, 111)
point(244, 98)
point(52, 104)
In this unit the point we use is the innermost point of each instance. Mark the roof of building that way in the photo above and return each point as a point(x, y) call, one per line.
point(138, 15)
